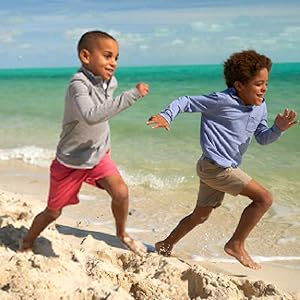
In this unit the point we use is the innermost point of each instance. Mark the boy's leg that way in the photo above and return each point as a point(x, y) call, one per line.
point(198, 216)
point(65, 184)
point(40, 222)
point(261, 201)
point(208, 199)
point(118, 190)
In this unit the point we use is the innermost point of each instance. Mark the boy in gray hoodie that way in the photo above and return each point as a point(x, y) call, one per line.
point(83, 150)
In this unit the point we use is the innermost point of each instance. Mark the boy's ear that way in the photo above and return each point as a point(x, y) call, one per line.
point(84, 56)
point(237, 85)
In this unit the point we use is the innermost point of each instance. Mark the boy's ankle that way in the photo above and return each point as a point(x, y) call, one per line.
point(25, 245)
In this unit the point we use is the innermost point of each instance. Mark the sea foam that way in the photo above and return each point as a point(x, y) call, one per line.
point(37, 156)
point(29, 154)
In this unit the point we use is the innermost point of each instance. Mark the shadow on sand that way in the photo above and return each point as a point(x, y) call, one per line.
point(109, 239)
point(10, 237)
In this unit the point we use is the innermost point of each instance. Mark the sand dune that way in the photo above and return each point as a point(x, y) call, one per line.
point(75, 263)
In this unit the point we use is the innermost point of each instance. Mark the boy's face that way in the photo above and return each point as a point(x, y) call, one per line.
point(252, 92)
point(102, 60)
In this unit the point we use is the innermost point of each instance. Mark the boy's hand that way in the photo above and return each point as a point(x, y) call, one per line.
point(158, 121)
point(143, 88)
point(286, 120)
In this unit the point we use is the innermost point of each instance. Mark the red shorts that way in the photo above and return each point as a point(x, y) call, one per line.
point(65, 182)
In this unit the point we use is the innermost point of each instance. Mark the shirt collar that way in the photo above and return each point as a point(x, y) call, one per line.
point(233, 93)
point(105, 84)
point(96, 80)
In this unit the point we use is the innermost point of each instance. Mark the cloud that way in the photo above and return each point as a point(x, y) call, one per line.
point(130, 39)
point(8, 37)
point(291, 34)
point(162, 32)
point(204, 27)
point(25, 46)
point(144, 47)
point(75, 33)
point(177, 42)
point(116, 34)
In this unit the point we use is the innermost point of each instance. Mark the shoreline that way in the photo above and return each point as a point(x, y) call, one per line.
point(19, 194)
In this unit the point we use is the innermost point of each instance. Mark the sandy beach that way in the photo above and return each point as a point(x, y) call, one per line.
point(74, 259)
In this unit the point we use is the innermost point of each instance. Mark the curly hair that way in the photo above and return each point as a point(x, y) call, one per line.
point(89, 39)
point(243, 66)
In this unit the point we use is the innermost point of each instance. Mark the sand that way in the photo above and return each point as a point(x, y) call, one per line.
point(74, 260)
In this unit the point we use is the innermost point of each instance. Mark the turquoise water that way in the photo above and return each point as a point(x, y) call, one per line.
point(32, 107)
point(155, 160)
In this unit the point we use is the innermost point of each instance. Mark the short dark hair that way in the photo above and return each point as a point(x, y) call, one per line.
point(88, 40)
point(243, 66)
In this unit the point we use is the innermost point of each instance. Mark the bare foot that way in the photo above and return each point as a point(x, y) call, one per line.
point(241, 255)
point(163, 248)
point(24, 247)
point(135, 246)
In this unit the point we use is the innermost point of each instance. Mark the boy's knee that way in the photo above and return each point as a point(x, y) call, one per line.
point(266, 199)
point(202, 219)
point(121, 193)
point(52, 214)
point(200, 216)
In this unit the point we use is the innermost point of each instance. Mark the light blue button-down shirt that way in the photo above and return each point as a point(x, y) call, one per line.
point(227, 125)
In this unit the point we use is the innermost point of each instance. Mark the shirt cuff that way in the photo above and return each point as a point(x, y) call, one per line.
point(166, 116)
point(136, 94)
point(276, 129)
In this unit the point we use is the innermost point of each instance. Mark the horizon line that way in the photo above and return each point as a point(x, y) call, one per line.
point(134, 66)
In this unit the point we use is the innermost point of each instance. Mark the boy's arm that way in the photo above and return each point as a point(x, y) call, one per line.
point(106, 109)
point(265, 135)
point(183, 104)
point(127, 98)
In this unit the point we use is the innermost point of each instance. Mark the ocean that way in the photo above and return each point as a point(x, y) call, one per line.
point(159, 166)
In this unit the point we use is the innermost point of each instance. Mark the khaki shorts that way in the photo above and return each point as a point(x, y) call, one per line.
point(215, 181)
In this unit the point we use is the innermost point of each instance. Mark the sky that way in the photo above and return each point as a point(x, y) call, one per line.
point(36, 33)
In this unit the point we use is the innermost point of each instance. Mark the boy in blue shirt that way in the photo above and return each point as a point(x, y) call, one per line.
point(229, 120)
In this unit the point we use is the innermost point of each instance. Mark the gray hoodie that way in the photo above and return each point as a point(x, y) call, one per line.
point(85, 135)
